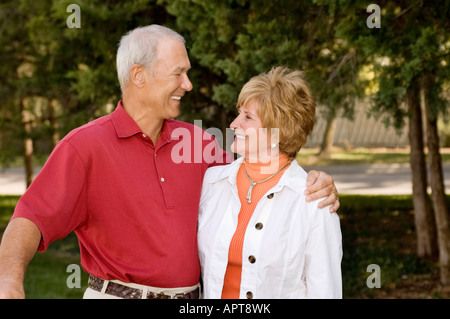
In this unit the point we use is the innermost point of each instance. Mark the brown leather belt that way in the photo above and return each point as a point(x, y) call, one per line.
point(125, 292)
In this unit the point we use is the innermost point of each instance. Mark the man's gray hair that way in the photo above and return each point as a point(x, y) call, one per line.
point(140, 46)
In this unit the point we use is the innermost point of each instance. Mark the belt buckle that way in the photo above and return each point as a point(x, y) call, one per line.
point(162, 295)
point(177, 295)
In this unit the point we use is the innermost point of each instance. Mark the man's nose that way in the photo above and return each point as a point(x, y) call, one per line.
point(187, 84)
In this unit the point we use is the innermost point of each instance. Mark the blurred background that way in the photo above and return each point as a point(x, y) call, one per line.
point(379, 71)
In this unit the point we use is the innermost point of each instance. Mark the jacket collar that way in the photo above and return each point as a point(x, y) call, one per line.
point(294, 177)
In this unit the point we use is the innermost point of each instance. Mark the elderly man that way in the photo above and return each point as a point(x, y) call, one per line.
point(113, 181)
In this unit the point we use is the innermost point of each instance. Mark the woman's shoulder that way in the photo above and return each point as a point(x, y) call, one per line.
point(295, 176)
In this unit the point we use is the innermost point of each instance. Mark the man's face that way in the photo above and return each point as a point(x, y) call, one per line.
point(167, 81)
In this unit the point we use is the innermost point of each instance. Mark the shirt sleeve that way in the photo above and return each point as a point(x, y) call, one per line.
point(323, 256)
point(56, 199)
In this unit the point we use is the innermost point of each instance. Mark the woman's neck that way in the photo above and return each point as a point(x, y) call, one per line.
point(260, 169)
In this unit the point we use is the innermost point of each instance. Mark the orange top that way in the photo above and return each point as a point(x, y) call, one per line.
point(232, 280)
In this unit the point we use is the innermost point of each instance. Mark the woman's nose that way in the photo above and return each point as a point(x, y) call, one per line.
point(235, 124)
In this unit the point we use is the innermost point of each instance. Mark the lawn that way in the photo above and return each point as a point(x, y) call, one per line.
point(379, 230)
point(308, 157)
point(376, 230)
point(47, 274)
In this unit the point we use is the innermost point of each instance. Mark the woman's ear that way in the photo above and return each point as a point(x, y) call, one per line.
point(274, 137)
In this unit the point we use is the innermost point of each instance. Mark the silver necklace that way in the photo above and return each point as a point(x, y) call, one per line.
point(250, 189)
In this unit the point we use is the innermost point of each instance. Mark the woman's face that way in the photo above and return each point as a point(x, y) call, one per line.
point(251, 140)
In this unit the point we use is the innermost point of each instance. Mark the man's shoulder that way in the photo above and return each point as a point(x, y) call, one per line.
point(89, 132)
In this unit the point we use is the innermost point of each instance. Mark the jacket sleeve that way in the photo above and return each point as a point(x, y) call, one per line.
point(323, 255)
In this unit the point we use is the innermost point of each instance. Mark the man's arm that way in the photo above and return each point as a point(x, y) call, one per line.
point(319, 185)
point(19, 244)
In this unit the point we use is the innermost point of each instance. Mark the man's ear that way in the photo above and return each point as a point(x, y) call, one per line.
point(137, 75)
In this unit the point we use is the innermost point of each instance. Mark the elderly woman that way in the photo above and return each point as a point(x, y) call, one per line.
point(258, 237)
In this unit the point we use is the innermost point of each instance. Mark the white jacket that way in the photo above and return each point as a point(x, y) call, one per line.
point(298, 250)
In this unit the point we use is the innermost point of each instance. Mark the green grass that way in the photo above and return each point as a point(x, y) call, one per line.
point(360, 156)
point(7, 204)
point(376, 229)
point(47, 274)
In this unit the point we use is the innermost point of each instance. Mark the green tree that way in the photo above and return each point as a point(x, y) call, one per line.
point(55, 78)
point(410, 56)
point(235, 40)
point(25, 74)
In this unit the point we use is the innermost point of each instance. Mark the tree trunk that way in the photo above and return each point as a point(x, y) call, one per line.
point(27, 146)
point(327, 141)
point(423, 215)
point(437, 181)
point(54, 124)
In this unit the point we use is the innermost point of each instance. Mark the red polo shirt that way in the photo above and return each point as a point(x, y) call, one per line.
point(133, 205)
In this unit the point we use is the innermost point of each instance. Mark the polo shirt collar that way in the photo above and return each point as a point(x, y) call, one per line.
point(123, 123)
point(125, 126)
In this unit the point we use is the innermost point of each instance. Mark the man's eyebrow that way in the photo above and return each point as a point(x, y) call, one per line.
point(181, 69)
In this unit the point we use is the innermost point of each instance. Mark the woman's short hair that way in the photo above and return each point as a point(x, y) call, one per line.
point(140, 46)
point(284, 101)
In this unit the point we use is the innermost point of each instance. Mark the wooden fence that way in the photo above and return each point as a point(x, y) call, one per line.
point(363, 131)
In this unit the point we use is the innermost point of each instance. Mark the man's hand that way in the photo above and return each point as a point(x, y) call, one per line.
point(319, 185)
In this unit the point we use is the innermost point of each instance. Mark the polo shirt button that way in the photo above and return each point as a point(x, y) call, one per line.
point(143, 135)
point(259, 226)
point(249, 295)
point(270, 196)
point(252, 259)
point(162, 179)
